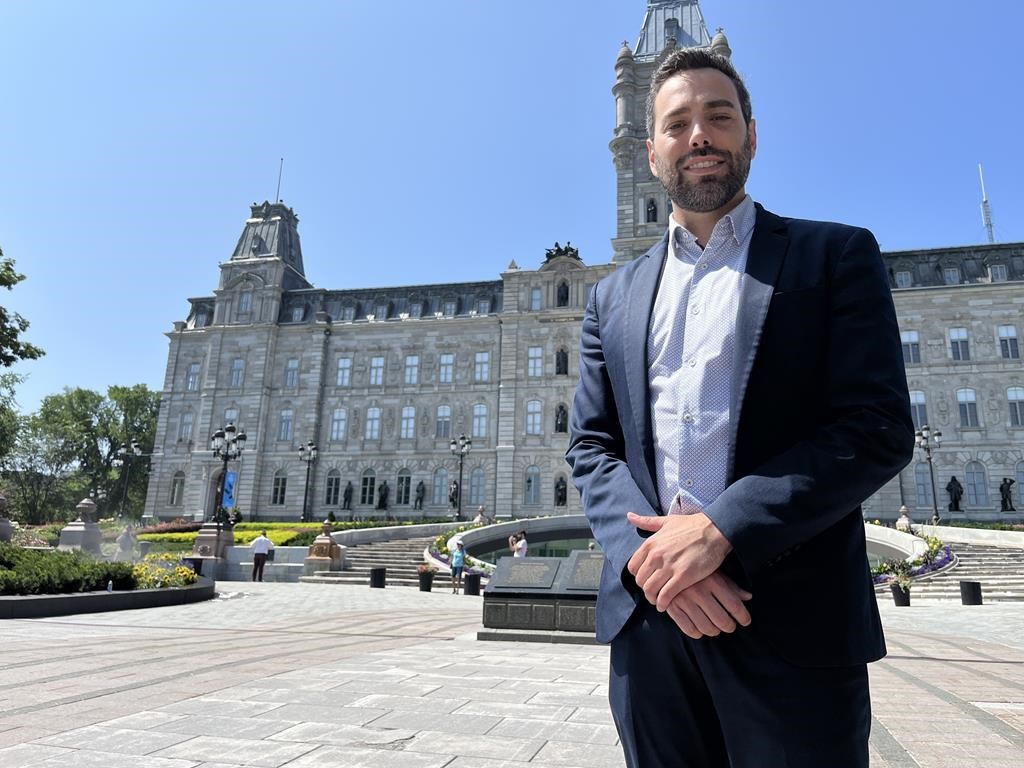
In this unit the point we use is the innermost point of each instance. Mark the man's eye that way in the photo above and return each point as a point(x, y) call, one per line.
point(676, 126)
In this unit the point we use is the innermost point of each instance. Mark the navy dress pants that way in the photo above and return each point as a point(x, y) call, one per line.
point(730, 702)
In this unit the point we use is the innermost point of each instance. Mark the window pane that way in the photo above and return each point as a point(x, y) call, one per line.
point(479, 420)
point(535, 299)
point(408, 422)
point(439, 495)
point(977, 490)
point(445, 373)
point(237, 372)
point(412, 369)
point(444, 421)
point(482, 366)
point(344, 371)
point(367, 487)
point(903, 280)
point(372, 423)
point(531, 493)
point(376, 371)
point(535, 361)
point(339, 423)
point(477, 487)
point(403, 488)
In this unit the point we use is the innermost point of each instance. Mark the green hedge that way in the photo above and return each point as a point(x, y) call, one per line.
point(42, 572)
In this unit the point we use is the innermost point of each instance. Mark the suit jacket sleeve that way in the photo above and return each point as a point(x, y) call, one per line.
point(598, 452)
point(865, 435)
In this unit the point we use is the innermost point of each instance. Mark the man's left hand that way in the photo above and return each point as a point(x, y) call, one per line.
point(682, 550)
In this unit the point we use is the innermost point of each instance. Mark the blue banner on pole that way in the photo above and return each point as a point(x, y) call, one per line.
point(229, 490)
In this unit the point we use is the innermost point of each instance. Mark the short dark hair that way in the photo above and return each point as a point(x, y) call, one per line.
point(686, 59)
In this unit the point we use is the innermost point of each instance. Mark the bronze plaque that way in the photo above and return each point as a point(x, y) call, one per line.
point(584, 571)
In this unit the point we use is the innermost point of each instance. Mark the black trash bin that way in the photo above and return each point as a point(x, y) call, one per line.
point(970, 592)
point(472, 583)
point(377, 577)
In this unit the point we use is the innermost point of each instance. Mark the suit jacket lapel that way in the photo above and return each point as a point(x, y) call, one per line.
point(640, 304)
point(768, 248)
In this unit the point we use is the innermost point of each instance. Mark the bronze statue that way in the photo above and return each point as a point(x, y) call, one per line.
point(560, 488)
point(420, 492)
point(1006, 495)
point(561, 418)
point(346, 496)
point(956, 492)
point(382, 495)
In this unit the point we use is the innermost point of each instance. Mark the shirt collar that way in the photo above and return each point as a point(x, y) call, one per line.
point(737, 224)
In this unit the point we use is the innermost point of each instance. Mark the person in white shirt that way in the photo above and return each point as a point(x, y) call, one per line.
point(260, 547)
point(517, 543)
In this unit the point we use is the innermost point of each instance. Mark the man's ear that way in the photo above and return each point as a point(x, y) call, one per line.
point(651, 160)
point(752, 136)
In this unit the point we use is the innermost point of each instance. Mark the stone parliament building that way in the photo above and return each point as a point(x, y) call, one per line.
point(380, 380)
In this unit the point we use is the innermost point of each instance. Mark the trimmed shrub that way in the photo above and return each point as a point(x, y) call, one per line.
point(35, 572)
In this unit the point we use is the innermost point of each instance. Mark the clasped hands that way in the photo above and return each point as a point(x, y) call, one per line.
point(677, 569)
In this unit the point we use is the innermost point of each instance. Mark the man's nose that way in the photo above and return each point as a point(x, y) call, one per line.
point(698, 137)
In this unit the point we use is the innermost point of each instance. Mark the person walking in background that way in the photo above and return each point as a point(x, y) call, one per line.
point(261, 547)
point(458, 564)
point(741, 393)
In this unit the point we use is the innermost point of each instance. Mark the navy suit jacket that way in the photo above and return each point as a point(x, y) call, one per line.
point(820, 420)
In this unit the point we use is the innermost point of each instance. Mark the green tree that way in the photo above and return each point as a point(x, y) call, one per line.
point(12, 325)
point(9, 421)
point(39, 482)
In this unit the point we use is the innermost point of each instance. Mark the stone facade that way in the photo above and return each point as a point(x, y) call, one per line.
point(381, 380)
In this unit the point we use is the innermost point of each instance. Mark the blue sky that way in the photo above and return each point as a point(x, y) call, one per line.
point(428, 142)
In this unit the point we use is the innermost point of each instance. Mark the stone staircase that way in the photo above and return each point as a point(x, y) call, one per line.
point(399, 556)
point(999, 569)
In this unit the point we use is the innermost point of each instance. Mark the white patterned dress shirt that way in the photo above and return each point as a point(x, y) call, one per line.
point(690, 358)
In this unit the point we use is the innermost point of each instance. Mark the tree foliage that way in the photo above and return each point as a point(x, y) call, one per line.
point(12, 325)
point(68, 450)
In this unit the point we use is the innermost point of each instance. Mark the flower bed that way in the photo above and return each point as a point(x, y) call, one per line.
point(937, 556)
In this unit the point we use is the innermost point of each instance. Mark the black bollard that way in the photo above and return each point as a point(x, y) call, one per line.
point(377, 577)
point(970, 592)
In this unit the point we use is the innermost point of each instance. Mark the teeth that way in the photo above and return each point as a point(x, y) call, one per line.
point(705, 164)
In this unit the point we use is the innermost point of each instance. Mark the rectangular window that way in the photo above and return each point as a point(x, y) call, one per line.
point(412, 369)
point(280, 488)
point(904, 279)
point(482, 367)
point(997, 273)
point(951, 275)
point(535, 299)
point(534, 411)
point(284, 425)
point(185, 426)
point(245, 301)
point(408, 422)
point(483, 307)
point(446, 370)
point(959, 344)
point(372, 424)
point(918, 409)
point(237, 372)
point(911, 347)
point(177, 490)
point(344, 378)
point(381, 312)
point(339, 423)
point(416, 310)
point(1008, 346)
point(479, 420)
point(367, 488)
point(444, 421)
point(535, 361)
point(1016, 413)
point(348, 314)
point(291, 373)
point(449, 309)
point(231, 416)
point(298, 313)
point(192, 377)
point(376, 371)
point(967, 402)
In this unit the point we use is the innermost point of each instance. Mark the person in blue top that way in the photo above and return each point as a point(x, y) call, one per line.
point(458, 561)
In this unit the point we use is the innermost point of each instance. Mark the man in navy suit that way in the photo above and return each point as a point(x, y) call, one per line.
point(741, 393)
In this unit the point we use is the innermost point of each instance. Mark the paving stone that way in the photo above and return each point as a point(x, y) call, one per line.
point(250, 752)
point(496, 747)
point(119, 740)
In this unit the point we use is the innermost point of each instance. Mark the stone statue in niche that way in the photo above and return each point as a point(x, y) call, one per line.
point(1006, 495)
point(560, 489)
point(956, 492)
point(421, 490)
point(561, 362)
point(561, 419)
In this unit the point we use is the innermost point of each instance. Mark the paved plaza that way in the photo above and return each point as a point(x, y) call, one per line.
point(310, 675)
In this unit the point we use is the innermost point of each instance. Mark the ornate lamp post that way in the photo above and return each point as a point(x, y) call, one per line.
point(459, 449)
point(227, 445)
point(126, 455)
point(926, 439)
point(308, 454)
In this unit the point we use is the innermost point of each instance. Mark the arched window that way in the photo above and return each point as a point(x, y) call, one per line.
point(439, 494)
point(477, 487)
point(367, 487)
point(280, 488)
point(404, 487)
point(333, 489)
point(534, 411)
point(177, 489)
point(923, 484)
point(531, 489)
point(977, 486)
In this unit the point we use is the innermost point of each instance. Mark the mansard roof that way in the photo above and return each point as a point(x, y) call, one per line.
point(271, 231)
point(678, 19)
point(927, 266)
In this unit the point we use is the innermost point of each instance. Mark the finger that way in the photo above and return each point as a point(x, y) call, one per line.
point(672, 588)
point(682, 621)
point(698, 617)
point(732, 585)
point(646, 522)
point(729, 598)
point(652, 583)
point(716, 614)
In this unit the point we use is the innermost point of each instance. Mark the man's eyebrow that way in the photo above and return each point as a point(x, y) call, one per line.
point(717, 103)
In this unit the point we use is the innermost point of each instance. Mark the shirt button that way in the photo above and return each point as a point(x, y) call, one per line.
point(695, 310)
point(692, 362)
point(687, 418)
point(704, 266)
point(689, 482)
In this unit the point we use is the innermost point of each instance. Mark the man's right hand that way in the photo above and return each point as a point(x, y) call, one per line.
point(711, 606)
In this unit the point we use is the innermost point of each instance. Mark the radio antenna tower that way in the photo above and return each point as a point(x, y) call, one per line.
point(986, 210)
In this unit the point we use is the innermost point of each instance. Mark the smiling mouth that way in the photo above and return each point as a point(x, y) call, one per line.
point(703, 165)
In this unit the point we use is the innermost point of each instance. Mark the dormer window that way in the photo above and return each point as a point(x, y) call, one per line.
point(245, 301)
point(382, 312)
point(904, 279)
point(951, 275)
point(200, 320)
point(449, 308)
point(348, 314)
point(997, 273)
point(298, 313)
point(415, 309)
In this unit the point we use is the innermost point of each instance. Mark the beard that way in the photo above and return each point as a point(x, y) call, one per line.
point(708, 193)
